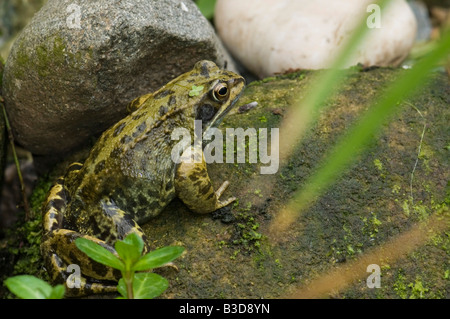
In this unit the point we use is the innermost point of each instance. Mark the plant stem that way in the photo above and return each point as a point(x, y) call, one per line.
point(16, 160)
point(128, 277)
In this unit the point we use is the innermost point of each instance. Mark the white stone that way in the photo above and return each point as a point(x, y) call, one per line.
point(274, 36)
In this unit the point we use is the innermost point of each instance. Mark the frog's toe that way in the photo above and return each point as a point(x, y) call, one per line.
point(171, 265)
point(224, 203)
point(222, 189)
point(219, 192)
point(87, 287)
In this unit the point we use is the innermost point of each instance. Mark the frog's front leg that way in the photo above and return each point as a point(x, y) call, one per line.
point(193, 185)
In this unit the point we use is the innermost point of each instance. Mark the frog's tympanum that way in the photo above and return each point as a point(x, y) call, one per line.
point(130, 176)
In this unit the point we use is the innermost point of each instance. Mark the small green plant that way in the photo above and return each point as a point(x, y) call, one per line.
point(371, 226)
point(400, 286)
point(418, 291)
point(134, 284)
point(195, 90)
point(262, 119)
point(30, 287)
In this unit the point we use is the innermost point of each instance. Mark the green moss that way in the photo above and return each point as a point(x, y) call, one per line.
point(396, 189)
point(246, 236)
point(378, 164)
point(426, 154)
point(48, 57)
point(400, 286)
point(371, 226)
point(418, 291)
point(44, 61)
point(22, 62)
point(24, 238)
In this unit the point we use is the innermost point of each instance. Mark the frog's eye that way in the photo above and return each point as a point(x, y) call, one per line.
point(220, 92)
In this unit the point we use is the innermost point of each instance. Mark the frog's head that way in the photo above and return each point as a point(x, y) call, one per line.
point(220, 89)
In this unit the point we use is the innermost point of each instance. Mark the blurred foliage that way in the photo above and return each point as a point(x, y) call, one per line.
point(207, 8)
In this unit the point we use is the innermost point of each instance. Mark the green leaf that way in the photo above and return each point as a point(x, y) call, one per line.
point(148, 285)
point(99, 254)
point(28, 287)
point(135, 240)
point(130, 249)
point(57, 292)
point(122, 288)
point(195, 90)
point(145, 286)
point(158, 258)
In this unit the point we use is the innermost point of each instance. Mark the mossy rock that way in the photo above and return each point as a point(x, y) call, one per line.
point(232, 254)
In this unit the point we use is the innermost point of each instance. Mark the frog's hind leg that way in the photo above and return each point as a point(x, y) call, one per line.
point(59, 251)
point(122, 222)
point(57, 201)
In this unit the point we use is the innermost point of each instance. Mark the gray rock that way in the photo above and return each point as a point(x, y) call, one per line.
point(76, 66)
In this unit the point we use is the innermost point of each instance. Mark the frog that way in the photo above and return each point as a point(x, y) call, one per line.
point(130, 175)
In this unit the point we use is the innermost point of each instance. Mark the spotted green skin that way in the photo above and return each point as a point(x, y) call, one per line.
point(129, 176)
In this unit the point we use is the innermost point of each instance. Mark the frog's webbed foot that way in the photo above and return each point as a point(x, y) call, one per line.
point(194, 187)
